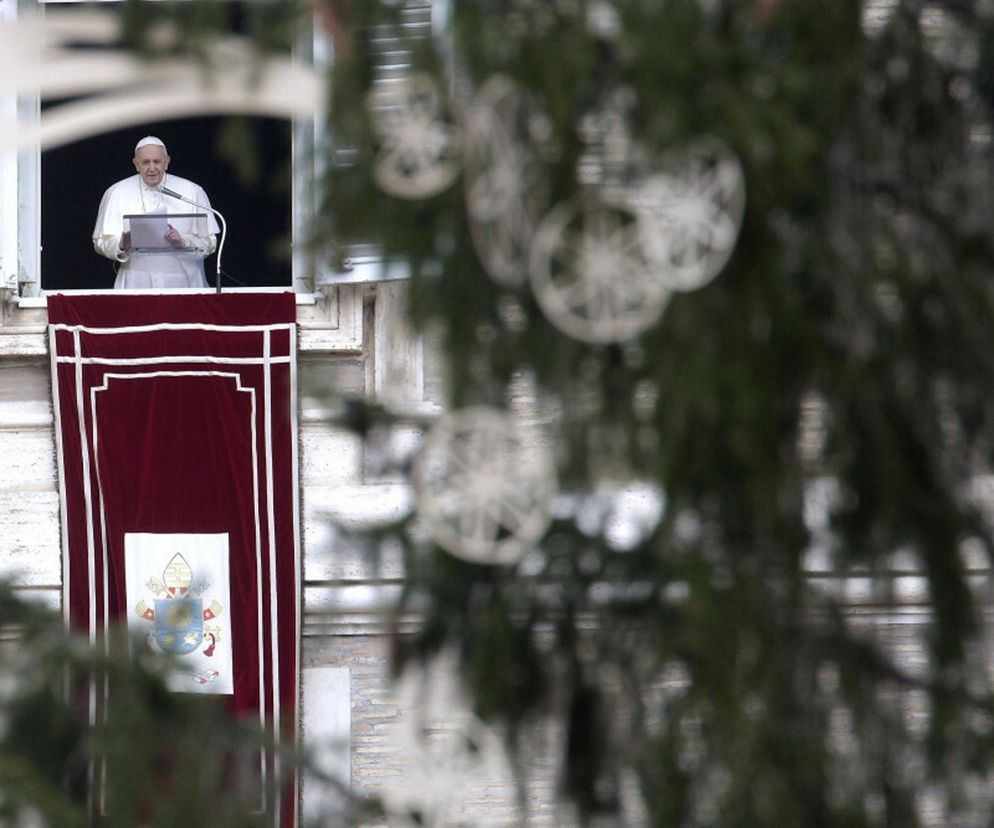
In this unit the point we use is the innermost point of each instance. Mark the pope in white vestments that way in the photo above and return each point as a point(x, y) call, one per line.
point(186, 241)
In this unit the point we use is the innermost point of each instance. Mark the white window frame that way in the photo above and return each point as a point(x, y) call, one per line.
point(20, 174)
point(20, 181)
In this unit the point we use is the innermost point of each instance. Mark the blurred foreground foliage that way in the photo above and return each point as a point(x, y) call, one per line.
point(823, 409)
point(150, 756)
point(802, 638)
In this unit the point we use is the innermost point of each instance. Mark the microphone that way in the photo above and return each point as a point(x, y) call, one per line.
point(224, 225)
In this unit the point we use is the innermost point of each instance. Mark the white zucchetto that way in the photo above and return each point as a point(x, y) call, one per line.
point(150, 140)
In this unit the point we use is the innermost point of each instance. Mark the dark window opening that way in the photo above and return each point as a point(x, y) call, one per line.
point(243, 163)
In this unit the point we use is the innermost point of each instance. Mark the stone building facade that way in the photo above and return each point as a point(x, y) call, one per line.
point(352, 340)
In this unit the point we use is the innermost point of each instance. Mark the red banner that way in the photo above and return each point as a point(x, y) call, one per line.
point(177, 449)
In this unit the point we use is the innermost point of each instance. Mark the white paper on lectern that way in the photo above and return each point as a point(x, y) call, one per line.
point(148, 231)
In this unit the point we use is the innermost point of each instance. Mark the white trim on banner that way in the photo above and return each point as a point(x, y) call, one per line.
point(92, 496)
point(173, 326)
point(172, 360)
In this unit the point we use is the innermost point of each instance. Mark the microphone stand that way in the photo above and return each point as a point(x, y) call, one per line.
point(224, 225)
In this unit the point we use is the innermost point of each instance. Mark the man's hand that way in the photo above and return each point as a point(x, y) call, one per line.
point(173, 236)
point(125, 242)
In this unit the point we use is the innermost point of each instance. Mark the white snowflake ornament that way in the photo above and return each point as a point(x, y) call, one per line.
point(419, 151)
point(690, 214)
point(591, 275)
point(483, 490)
point(505, 179)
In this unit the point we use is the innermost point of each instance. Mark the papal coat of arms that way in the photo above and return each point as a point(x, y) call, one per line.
point(179, 616)
point(183, 606)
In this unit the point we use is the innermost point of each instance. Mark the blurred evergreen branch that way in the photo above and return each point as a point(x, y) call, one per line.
point(846, 343)
point(161, 758)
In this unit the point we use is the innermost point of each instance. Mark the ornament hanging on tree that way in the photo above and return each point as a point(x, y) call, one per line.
point(591, 275)
point(689, 214)
point(418, 155)
point(506, 185)
point(483, 491)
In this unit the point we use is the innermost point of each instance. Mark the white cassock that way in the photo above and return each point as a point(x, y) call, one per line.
point(183, 268)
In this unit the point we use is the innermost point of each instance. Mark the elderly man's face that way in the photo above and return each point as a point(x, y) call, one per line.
point(151, 162)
